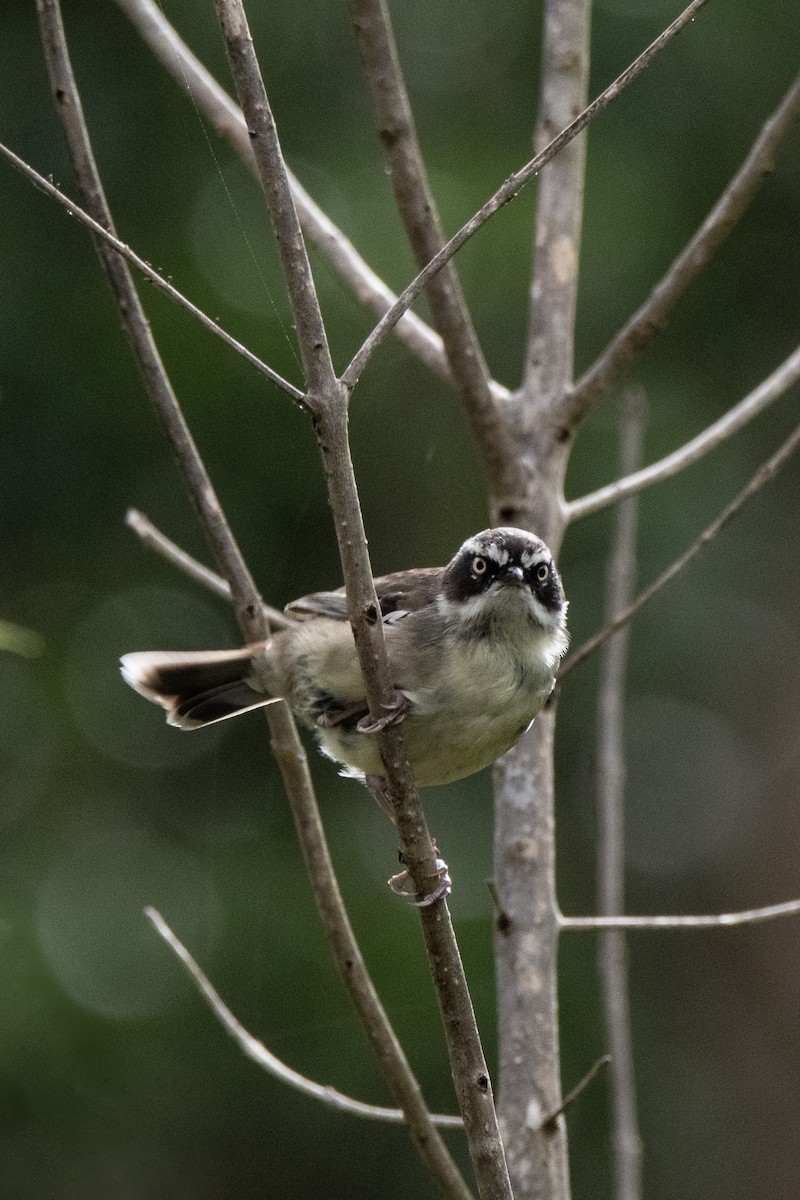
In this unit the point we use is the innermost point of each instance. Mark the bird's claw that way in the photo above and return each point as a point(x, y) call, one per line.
point(443, 888)
point(393, 714)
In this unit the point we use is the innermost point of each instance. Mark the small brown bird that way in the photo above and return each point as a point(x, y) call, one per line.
point(473, 649)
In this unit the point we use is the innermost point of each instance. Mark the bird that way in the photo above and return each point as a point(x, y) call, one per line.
point(473, 650)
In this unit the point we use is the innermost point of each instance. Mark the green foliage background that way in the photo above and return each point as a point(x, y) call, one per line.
point(114, 1079)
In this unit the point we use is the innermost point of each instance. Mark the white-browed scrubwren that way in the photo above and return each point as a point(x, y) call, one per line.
point(473, 649)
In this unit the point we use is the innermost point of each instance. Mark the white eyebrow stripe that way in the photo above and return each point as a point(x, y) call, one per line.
point(487, 550)
point(508, 545)
point(490, 550)
point(533, 557)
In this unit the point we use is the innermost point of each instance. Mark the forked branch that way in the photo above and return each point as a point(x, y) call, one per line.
point(311, 336)
point(653, 314)
point(767, 471)
point(510, 189)
point(147, 532)
point(761, 397)
point(226, 117)
point(101, 233)
point(416, 205)
point(402, 1083)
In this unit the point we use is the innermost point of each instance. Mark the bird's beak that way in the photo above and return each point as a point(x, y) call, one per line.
point(514, 575)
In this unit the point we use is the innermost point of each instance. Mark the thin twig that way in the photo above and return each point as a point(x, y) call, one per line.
point(652, 315)
point(151, 536)
point(247, 602)
point(248, 608)
point(311, 337)
point(767, 392)
point(328, 401)
point(762, 476)
point(416, 205)
point(151, 275)
point(749, 916)
point(610, 771)
point(258, 1052)
point(509, 190)
point(226, 117)
point(573, 1094)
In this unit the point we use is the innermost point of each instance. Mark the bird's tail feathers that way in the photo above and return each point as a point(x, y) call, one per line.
point(201, 687)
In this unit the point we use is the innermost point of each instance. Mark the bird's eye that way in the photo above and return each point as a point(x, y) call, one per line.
point(542, 572)
point(479, 565)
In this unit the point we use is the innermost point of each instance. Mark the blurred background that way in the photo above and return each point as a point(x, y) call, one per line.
point(115, 1081)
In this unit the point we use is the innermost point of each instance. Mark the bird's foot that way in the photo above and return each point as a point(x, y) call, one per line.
point(393, 714)
point(443, 888)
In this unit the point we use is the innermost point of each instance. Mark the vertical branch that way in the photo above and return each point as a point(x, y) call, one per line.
point(565, 76)
point(328, 400)
point(467, 1061)
point(612, 948)
point(402, 1082)
point(526, 942)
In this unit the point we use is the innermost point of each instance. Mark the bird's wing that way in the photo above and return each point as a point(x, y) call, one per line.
point(398, 594)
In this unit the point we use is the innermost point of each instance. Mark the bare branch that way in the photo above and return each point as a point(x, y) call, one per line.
point(258, 1052)
point(509, 190)
point(750, 916)
point(226, 117)
point(247, 602)
point(147, 532)
point(419, 214)
point(402, 1083)
point(152, 276)
point(573, 1094)
point(468, 1064)
point(767, 392)
point(610, 772)
point(762, 476)
point(328, 400)
point(525, 861)
point(696, 254)
point(559, 213)
point(311, 336)
point(248, 607)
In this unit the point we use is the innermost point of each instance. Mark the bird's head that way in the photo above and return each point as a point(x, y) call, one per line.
point(505, 572)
